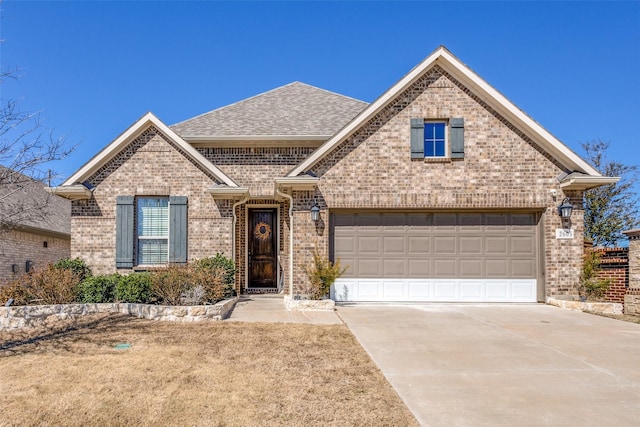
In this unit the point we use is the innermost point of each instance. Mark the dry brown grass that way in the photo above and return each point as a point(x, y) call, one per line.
point(218, 374)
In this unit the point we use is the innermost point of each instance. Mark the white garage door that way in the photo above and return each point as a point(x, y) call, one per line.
point(449, 257)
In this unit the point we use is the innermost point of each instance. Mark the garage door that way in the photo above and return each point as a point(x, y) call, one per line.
point(452, 257)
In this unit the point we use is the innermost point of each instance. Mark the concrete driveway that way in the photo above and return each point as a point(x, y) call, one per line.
point(504, 365)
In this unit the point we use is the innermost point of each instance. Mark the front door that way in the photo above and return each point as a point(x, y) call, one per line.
point(262, 248)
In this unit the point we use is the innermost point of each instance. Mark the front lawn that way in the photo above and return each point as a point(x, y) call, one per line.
point(114, 370)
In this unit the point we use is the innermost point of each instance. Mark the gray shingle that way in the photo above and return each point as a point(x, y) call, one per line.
point(296, 109)
point(25, 203)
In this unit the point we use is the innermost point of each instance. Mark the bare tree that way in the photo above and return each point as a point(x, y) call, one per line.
point(26, 150)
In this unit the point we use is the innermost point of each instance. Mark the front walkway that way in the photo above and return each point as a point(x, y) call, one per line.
point(271, 308)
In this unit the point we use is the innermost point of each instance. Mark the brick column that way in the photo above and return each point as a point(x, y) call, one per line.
point(634, 258)
point(632, 297)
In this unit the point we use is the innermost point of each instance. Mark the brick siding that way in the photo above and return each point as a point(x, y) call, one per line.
point(614, 266)
point(17, 247)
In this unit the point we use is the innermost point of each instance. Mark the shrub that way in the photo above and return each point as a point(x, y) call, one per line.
point(79, 268)
point(217, 275)
point(134, 287)
point(321, 274)
point(591, 286)
point(170, 284)
point(15, 290)
point(98, 289)
point(51, 285)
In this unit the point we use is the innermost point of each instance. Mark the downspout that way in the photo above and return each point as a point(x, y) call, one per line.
point(290, 198)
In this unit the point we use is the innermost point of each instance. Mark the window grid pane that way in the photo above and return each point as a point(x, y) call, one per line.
point(434, 139)
point(152, 217)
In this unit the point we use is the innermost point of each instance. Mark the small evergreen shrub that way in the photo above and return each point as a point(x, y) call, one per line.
point(99, 289)
point(134, 287)
point(321, 274)
point(79, 268)
point(591, 286)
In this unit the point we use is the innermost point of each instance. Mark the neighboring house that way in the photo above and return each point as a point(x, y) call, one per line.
point(34, 225)
point(439, 190)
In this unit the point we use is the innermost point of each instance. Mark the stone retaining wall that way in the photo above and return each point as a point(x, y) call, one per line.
point(594, 307)
point(35, 315)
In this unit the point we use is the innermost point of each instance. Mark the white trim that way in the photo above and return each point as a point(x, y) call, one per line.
point(586, 182)
point(301, 183)
point(135, 130)
point(478, 86)
point(71, 192)
point(247, 207)
point(224, 192)
point(434, 290)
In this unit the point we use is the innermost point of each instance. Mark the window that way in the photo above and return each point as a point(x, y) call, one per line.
point(434, 139)
point(152, 220)
point(437, 139)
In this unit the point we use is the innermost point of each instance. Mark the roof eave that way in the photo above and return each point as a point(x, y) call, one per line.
point(225, 192)
point(442, 57)
point(135, 130)
point(71, 192)
point(587, 182)
point(298, 183)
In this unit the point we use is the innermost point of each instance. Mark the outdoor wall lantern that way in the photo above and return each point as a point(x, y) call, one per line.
point(315, 212)
point(565, 209)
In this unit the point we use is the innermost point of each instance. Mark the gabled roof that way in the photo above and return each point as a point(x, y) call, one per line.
point(24, 204)
point(294, 110)
point(129, 135)
point(446, 60)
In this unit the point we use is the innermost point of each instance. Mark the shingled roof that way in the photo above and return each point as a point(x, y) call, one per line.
point(296, 109)
point(24, 204)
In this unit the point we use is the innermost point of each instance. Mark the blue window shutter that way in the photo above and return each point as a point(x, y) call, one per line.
point(178, 229)
point(124, 231)
point(456, 135)
point(417, 138)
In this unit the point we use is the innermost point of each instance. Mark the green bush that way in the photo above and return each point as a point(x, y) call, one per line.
point(134, 287)
point(77, 266)
point(216, 274)
point(591, 286)
point(99, 289)
point(321, 274)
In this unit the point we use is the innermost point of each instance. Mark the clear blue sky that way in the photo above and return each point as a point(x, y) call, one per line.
point(94, 68)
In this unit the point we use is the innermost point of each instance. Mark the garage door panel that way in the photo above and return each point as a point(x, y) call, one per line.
point(470, 245)
point(496, 268)
point(444, 245)
point(444, 268)
point(441, 256)
point(523, 245)
point(419, 245)
point(345, 245)
point(522, 268)
point(393, 245)
point(368, 244)
point(470, 268)
point(496, 245)
point(394, 267)
point(419, 268)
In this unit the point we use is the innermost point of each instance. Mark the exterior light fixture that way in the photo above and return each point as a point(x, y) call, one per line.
point(565, 209)
point(315, 212)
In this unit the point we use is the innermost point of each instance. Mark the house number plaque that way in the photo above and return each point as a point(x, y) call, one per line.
point(564, 233)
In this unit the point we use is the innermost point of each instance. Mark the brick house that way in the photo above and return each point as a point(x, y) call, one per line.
point(34, 225)
point(439, 190)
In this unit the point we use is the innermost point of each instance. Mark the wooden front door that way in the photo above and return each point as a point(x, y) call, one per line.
point(262, 253)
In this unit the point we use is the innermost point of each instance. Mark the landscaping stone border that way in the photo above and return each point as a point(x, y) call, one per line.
point(309, 304)
point(35, 315)
point(594, 307)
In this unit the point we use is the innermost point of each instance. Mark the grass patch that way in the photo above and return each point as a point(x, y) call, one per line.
point(213, 373)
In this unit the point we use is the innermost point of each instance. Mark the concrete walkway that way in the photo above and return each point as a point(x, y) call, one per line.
point(271, 308)
point(504, 365)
